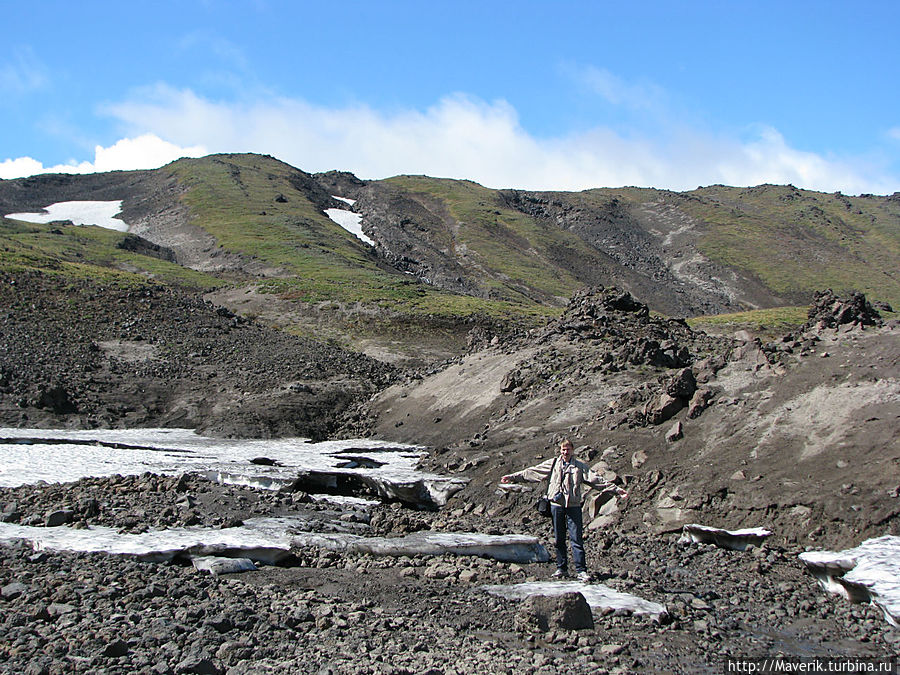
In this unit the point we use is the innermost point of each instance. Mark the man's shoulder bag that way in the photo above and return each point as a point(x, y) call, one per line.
point(543, 502)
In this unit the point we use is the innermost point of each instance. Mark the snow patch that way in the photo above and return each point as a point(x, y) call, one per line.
point(269, 540)
point(351, 202)
point(350, 221)
point(736, 540)
point(253, 540)
point(100, 214)
point(598, 596)
point(61, 456)
point(216, 565)
point(868, 573)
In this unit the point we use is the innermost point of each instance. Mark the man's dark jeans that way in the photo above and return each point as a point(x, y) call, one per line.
point(568, 519)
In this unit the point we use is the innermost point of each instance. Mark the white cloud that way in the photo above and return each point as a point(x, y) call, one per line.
point(465, 137)
point(147, 151)
point(21, 166)
point(144, 152)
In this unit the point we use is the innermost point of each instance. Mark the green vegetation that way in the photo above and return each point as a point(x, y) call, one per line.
point(504, 243)
point(798, 241)
point(235, 201)
point(403, 296)
point(765, 323)
point(269, 215)
point(88, 253)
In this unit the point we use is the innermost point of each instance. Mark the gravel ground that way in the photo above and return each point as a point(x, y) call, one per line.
point(336, 613)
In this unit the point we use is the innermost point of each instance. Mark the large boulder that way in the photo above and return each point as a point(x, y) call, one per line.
point(662, 408)
point(568, 611)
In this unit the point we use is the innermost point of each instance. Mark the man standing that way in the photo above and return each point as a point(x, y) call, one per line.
point(567, 474)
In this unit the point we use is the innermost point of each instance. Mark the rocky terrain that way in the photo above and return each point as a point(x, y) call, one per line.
point(324, 611)
point(328, 612)
point(237, 308)
point(84, 355)
point(797, 433)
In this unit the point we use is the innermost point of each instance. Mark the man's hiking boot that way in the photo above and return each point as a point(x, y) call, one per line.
point(559, 574)
point(584, 577)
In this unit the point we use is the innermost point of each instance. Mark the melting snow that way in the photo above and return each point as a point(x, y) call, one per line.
point(55, 455)
point(868, 573)
point(100, 214)
point(351, 202)
point(60, 456)
point(349, 221)
point(598, 596)
point(736, 540)
point(269, 540)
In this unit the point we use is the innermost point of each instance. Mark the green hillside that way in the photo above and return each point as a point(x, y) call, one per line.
point(88, 253)
point(794, 241)
point(515, 254)
point(510, 252)
point(261, 210)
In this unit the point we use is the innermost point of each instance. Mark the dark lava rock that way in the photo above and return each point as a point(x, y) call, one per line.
point(829, 311)
point(13, 590)
point(115, 649)
point(60, 517)
point(569, 611)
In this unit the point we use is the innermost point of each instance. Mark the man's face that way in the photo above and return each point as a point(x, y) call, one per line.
point(565, 451)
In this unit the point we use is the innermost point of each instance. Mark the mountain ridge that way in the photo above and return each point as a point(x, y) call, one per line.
point(453, 250)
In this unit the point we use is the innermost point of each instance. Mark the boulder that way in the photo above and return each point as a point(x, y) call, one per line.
point(115, 649)
point(606, 516)
point(13, 590)
point(598, 503)
point(675, 433)
point(662, 408)
point(699, 402)
point(682, 385)
point(60, 517)
point(568, 611)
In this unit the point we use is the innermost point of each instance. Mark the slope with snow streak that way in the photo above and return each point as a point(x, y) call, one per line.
point(101, 214)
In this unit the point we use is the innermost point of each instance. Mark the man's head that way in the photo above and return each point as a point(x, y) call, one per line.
point(566, 450)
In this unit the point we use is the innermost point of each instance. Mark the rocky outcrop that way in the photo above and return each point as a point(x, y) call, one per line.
point(830, 311)
point(141, 246)
point(613, 332)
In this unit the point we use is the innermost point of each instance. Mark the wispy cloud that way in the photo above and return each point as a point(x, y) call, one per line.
point(22, 73)
point(464, 137)
point(894, 133)
point(634, 95)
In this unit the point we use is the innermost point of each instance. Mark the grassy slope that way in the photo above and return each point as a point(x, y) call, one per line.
point(507, 243)
point(234, 200)
point(794, 241)
point(798, 241)
point(767, 324)
point(88, 252)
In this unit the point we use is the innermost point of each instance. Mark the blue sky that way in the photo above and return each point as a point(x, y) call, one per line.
point(539, 95)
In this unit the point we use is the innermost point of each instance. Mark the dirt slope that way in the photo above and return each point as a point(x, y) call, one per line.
point(798, 436)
